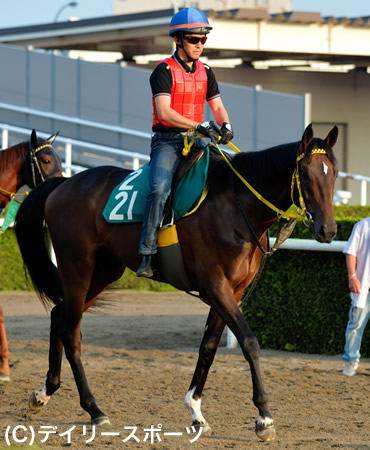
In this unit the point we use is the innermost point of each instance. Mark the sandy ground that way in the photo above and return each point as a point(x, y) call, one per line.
point(139, 355)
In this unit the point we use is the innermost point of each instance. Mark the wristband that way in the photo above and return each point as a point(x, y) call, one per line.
point(352, 276)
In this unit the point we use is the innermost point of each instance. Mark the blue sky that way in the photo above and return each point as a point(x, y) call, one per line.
point(29, 12)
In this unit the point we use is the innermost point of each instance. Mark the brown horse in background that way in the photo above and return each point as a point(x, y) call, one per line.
point(221, 253)
point(28, 163)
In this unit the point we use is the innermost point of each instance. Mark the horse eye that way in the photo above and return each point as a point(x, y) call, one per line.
point(305, 176)
point(45, 160)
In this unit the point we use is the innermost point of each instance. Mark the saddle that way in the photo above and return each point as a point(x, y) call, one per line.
point(186, 164)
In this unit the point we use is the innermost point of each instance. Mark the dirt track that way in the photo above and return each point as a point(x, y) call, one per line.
point(139, 358)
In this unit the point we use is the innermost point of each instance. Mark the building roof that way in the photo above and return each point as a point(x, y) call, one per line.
point(249, 34)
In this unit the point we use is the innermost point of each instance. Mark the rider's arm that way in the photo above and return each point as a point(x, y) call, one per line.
point(214, 98)
point(169, 115)
point(219, 111)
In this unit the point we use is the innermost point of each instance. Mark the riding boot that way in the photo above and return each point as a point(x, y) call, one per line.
point(148, 266)
point(4, 352)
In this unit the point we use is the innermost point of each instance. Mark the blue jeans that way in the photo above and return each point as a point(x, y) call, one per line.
point(358, 318)
point(165, 157)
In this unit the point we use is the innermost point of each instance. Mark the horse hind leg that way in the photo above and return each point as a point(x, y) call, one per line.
point(72, 345)
point(39, 399)
point(207, 350)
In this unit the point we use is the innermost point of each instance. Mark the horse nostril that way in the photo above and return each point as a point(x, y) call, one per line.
point(327, 233)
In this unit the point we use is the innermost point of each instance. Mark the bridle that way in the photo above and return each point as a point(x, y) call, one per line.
point(35, 170)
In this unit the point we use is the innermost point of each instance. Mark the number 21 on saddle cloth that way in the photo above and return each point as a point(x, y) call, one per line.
point(127, 202)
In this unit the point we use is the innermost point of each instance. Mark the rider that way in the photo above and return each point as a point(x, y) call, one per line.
point(180, 86)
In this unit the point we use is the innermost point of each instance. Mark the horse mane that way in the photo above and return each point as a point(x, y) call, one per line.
point(9, 156)
point(256, 166)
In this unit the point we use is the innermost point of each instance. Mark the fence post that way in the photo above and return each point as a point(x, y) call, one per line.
point(231, 341)
point(307, 113)
point(5, 138)
point(257, 88)
point(363, 193)
point(68, 159)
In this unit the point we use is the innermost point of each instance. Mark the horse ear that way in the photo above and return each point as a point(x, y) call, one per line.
point(307, 136)
point(332, 137)
point(52, 138)
point(33, 139)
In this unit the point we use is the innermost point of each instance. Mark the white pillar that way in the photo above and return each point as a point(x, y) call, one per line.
point(231, 341)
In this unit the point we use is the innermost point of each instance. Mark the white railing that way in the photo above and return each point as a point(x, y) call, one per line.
point(135, 158)
point(74, 120)
point(362, 179)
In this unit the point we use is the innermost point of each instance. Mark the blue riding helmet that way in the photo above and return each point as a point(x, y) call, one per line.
point(189, 20)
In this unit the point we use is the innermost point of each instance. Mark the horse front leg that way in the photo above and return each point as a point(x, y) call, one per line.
point(224, 303)
point(39, 399)
point(207, 350)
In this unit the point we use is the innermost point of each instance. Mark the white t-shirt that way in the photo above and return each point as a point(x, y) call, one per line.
point(359, 245)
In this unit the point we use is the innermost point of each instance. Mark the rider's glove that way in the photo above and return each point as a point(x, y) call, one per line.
point(226, 133)
point(208, 129)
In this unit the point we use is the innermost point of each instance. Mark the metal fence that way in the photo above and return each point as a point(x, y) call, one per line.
point(78, 155)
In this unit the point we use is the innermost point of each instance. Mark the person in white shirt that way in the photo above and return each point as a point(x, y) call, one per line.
point(357, 252)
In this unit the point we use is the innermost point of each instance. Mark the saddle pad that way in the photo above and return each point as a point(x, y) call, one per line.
point(126, 203)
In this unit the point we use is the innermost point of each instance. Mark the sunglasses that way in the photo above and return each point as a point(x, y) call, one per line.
point(195, 40)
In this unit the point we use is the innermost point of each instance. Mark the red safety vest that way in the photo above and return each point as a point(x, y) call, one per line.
point(188, 93)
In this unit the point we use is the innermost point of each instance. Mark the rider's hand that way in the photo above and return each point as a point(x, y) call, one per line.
point(208, 129)
point(226, 133)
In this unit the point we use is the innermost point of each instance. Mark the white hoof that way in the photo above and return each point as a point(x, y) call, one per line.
point(206, 429)
point(100, 421)
point(4, 378)
point(35, 402)
point(265, 429)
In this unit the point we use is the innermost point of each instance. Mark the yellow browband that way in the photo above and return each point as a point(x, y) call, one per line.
point(43, 146)
point(315, 151)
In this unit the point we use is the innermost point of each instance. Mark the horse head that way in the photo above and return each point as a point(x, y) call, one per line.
point(318, 170)
point(45, 160)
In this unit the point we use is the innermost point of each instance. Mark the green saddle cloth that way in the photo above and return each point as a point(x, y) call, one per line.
point(126, 203)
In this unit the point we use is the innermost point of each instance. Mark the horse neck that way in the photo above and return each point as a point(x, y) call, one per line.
point(11, 164)
point(269, 172)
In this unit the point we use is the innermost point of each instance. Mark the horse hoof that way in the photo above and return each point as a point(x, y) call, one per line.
point(265, 429)
point(206, 429)
point(4, 378)
point(100, 421)
point(35, 403)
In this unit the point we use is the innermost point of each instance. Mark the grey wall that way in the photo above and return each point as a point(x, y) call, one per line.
point(120, 96)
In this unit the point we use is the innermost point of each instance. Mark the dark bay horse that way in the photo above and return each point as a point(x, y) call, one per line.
point(27, 163)
point(220, 252)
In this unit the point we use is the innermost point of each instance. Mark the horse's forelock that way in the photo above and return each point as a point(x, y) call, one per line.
point(318, 143)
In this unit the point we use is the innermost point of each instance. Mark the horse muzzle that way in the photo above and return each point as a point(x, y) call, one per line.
point(326, 233)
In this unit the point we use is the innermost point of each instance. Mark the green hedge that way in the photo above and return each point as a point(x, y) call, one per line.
point(13, 278)
point(301, 301)
point(300, 304)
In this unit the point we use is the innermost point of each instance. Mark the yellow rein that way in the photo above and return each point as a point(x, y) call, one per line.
point(13, 194)
point(294, 212)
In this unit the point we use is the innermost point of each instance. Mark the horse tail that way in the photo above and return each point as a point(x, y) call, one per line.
point(33, 242)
